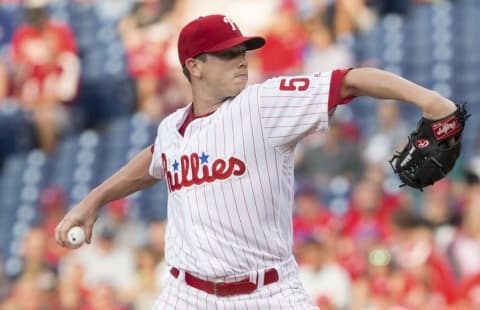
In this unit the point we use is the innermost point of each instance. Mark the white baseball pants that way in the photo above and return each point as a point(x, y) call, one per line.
point(287, 294)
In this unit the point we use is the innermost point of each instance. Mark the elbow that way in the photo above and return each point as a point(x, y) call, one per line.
point(354, 82)
point(349, 87)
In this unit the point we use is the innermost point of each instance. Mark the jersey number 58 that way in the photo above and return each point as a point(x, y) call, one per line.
point(300, 84)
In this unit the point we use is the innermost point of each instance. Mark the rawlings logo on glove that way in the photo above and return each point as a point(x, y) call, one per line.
point(431, 151)
point(446, 128)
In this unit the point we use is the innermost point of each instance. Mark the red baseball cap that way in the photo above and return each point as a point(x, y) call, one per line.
point(52, 198)
point(212, 33)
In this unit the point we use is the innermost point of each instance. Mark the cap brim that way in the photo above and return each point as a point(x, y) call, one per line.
point(252, 43)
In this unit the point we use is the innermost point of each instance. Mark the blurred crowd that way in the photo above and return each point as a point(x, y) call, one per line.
point(44, 57)
point(361, 242)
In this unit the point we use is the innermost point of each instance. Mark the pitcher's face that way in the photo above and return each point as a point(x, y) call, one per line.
point(226, 72)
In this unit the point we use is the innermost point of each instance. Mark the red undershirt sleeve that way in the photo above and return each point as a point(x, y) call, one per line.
point(335, 96)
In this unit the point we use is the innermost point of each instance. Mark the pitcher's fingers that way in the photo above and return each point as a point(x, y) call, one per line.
point(88, 233)
point(61, 232)
point(58, 234)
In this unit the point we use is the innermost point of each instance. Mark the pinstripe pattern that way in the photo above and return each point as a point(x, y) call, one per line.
point(231, 178)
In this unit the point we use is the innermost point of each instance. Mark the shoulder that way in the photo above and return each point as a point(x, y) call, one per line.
point(248, 90)
point(248, 94)
point(296, 82)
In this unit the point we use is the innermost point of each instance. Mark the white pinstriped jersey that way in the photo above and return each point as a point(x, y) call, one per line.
point(230, 177)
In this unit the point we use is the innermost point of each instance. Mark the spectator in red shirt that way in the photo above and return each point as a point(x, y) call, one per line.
point(311, 218)
point(367, 220)
point(147, 32)
point(286, 40)
point(429, 278)
point(52, 204)
point(46, 71)
point(103, 297)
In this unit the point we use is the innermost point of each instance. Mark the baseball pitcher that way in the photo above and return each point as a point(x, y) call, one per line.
point(227, 160)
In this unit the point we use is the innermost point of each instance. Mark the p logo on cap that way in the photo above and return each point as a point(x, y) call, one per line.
point(212, 33)
point(228, 20)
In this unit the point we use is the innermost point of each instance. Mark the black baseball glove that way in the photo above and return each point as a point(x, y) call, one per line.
point(431, 151)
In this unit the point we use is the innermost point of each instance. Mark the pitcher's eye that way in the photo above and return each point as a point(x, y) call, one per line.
point(230, 54)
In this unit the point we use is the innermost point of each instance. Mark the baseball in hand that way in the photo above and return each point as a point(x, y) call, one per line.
point(76, 235)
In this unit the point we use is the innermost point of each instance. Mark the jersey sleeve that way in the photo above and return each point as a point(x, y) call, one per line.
point(335, 94)
point(156, 167)
point(293, 107)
